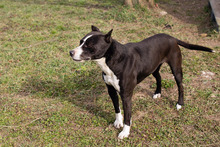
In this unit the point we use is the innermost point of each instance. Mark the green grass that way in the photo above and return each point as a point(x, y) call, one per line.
point(46, 99)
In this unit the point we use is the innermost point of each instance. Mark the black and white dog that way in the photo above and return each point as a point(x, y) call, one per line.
point(126, 65)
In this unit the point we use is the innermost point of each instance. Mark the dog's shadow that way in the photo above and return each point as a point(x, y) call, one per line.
point(82, 91)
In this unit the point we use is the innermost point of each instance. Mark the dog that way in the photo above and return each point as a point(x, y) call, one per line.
point(125, 65)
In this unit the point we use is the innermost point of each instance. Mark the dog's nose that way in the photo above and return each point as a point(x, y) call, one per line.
point(71, 53)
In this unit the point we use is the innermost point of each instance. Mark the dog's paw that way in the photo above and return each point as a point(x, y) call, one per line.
point(155, 96)
point(119, 121)
point(178, 107)
point(125, 132)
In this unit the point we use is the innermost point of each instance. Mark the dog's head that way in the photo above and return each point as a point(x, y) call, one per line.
point(92, 46)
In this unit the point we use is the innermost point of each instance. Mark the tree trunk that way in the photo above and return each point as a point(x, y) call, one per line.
point(128, 3)
point(151, 3)
point(142, 3)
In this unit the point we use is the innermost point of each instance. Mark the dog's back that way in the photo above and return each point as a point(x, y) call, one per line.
point(151, 52)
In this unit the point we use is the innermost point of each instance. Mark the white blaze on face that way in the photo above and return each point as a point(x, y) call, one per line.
point(78, 51)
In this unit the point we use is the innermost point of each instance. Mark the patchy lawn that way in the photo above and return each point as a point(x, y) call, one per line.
point(46, 99)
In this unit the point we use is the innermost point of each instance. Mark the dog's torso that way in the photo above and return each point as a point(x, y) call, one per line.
point(134, 61)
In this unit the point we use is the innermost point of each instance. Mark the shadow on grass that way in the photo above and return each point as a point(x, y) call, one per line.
point(82, 91)
point(194, 12)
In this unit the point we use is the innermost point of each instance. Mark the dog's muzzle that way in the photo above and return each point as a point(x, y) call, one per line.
point(72, 53)
point(77, 57)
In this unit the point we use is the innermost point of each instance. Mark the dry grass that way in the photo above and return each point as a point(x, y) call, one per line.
point(49, 100)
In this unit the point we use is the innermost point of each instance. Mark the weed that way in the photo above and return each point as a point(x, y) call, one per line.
point(165, 84)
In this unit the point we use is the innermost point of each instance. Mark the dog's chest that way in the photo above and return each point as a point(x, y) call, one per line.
point(109, 77)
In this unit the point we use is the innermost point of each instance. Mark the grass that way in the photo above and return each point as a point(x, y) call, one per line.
point(46, 99)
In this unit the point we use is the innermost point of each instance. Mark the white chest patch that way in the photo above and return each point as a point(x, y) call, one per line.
point(109, 76)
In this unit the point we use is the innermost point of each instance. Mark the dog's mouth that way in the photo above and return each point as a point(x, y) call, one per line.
point(81, 60)
point(77, 60)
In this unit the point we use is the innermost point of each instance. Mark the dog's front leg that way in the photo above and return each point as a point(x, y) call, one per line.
point(126, 100)
point(114, 96)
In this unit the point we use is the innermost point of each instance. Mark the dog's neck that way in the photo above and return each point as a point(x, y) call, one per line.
point(116, 49)
point(114, 52)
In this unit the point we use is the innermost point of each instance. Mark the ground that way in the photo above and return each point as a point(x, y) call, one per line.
point(49, 100)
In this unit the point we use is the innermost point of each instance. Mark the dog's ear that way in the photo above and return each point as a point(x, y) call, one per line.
point(108, 38)
point(94, 28)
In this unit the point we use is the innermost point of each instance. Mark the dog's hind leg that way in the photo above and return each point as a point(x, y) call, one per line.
point(175, 64)
point(156, 74)
point(114, 96)
point(178, 77)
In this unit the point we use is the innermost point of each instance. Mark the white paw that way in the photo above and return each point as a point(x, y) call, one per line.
point(155, 96)
point(125, 132)
point(178, 107)
point(118, 121)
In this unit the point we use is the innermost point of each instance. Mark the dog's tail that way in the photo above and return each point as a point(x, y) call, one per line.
point(194, 47)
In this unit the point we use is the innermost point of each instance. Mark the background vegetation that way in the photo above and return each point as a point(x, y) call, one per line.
point(46, 99)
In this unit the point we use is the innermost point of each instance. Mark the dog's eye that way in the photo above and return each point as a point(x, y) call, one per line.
point(91, 50)
point(88, 49)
